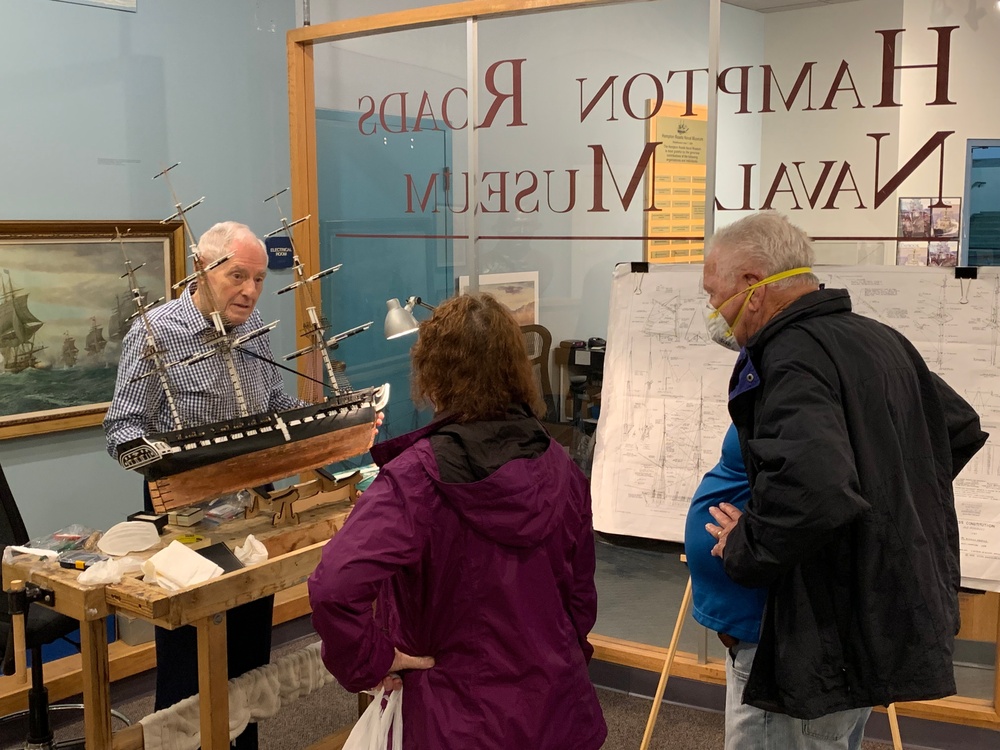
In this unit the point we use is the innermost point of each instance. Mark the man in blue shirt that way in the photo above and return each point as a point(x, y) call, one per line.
point(203, 393)
point(731, 610)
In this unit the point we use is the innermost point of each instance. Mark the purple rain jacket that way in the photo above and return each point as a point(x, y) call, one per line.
point(492, 576)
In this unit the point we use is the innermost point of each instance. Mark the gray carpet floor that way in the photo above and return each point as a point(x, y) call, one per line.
point(328, 710)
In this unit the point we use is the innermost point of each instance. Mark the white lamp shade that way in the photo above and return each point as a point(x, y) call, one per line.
point(399, 321)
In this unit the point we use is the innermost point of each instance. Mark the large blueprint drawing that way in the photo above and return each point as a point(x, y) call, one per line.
point(663, 402)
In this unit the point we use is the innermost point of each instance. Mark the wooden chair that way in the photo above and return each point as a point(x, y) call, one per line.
point(538, 342)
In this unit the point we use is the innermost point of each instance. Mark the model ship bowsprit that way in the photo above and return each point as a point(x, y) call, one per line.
point(193, 463)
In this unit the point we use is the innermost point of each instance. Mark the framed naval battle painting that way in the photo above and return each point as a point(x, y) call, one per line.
point(66, 302)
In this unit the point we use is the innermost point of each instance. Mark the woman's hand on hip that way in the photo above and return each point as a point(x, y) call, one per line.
point(403, 662)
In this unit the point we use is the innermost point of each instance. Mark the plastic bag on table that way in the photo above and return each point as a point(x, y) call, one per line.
point(373, 728)
point(74, 536)
point(227, 507)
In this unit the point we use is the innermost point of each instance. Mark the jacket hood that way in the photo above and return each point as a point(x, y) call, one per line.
point(518, 505)
point(506, 478)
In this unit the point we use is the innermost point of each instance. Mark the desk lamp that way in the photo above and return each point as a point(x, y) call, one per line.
point(399, 321)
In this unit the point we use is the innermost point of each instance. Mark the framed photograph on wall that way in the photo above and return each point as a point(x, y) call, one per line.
point(64, 309)
point(914, 217)
point(943, 253)
point(911, 253)
point(517, 291)
point(945, 220)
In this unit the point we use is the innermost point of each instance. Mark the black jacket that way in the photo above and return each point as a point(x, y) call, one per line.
point(851, 445)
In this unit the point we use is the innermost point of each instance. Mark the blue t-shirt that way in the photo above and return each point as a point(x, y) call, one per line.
point(720, 604)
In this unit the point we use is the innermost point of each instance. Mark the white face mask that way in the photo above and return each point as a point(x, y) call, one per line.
point(719, 330)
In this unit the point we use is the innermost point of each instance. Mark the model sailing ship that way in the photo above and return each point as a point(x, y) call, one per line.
point(194, 463)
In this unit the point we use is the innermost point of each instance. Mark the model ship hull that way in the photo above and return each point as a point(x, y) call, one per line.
point(191, 465)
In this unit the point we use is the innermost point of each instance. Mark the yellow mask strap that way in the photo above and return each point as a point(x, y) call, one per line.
point(762, 282)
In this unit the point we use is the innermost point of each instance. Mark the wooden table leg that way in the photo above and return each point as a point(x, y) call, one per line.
point(96, 684)
point(20, 645)
point(213, 682)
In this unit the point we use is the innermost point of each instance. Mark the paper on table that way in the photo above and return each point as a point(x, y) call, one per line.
point(178, 566)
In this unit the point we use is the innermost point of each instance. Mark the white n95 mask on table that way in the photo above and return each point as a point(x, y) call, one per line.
point(128, 536)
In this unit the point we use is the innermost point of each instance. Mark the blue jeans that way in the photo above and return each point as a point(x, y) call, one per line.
point(750, 728)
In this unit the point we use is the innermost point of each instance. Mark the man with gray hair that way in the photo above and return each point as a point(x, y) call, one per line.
point(203, 394)
point(851, 446)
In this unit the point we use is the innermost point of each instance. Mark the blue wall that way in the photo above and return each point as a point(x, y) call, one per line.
point(94, 101)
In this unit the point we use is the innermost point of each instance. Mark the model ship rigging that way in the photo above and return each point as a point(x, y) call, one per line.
point(193, 463)
point(123, 314)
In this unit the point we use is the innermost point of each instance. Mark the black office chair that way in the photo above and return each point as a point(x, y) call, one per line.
point(42, 626)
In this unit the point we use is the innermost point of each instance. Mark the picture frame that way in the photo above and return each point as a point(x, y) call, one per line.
point(129, 6)
point(914, 218)
point(942, 253)
point(64, 291)
point(946, 219)
point(518, 292)
point(909, 253)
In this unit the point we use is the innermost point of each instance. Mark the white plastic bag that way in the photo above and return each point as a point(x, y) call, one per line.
point(372, 730)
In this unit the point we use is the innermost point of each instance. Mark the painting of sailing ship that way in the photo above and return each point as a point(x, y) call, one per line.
point(18, 327)
point(95, 341)
point(64, 308)
point(69, 350)
point(123, 314)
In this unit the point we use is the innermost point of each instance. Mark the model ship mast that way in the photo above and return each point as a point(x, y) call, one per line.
point(222, 344)
point(196, 462)
point(315, 326)
point(152, 351)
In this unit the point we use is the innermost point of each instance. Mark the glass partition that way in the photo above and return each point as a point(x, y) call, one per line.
point(591, 148)
point(860, 111)
point(390, 114)
point(567, 193)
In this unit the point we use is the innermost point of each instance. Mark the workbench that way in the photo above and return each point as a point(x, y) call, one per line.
point(294, 551)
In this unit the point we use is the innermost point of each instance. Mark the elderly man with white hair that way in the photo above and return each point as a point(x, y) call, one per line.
point(203, 394)
point(851, 446)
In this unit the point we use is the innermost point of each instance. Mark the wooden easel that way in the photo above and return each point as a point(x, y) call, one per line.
point(667, 663)
point(661, 686)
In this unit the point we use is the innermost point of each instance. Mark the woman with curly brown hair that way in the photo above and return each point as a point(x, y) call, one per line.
point(475, 546)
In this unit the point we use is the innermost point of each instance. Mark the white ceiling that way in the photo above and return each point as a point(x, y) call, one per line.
point(774, 6)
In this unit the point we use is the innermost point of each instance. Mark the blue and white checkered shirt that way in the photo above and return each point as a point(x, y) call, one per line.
point(203, 392)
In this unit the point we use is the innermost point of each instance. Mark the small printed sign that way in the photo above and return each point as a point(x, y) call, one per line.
point(279, 252)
